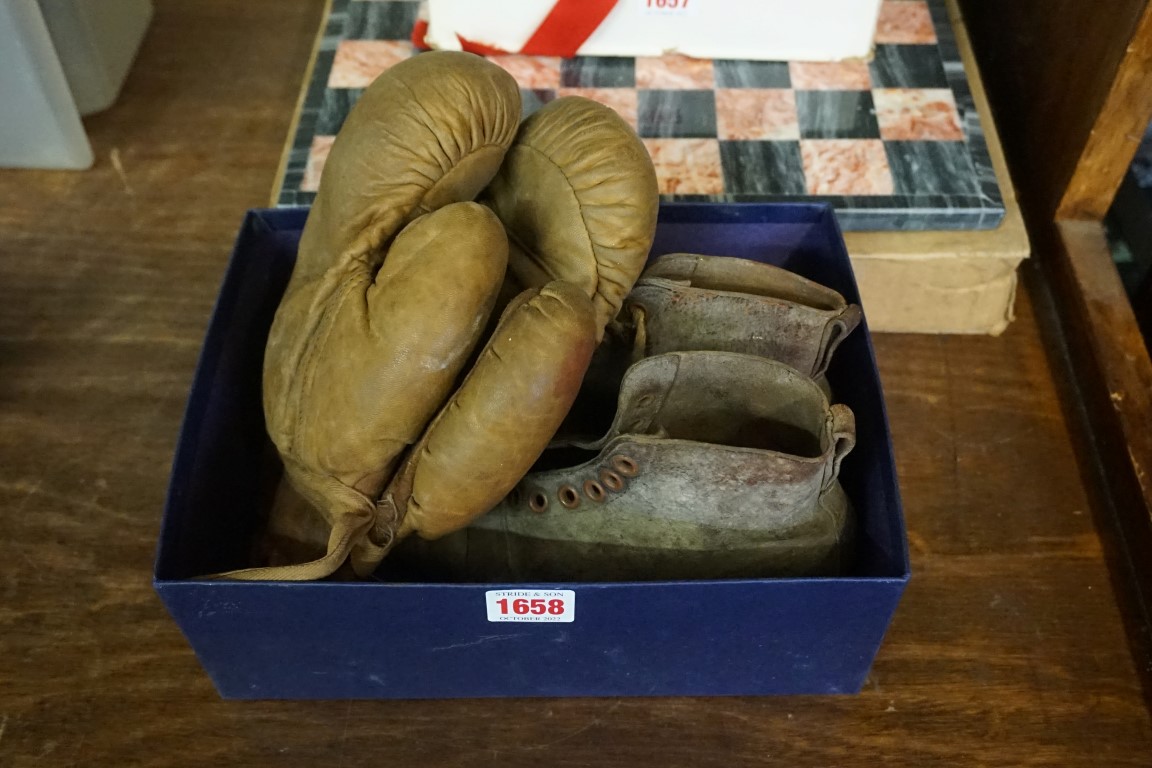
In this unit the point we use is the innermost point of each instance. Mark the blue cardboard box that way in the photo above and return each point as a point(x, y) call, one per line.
point(279, 640)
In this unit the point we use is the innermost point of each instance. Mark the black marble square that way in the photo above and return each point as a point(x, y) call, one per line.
point(836, 115)
point(907, 66)
point(751, 74)
point(532, 100)
point(598, 72)
point(320, 73)
point(293, 179)
point(762, 167)
point(306, 129)
point(392, 20)
point(338, 102)
point(931, 167)
point(677, 114)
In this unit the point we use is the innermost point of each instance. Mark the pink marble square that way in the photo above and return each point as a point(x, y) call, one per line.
point(674, 72)
point(756, 113)
point(531, 72)
point(846, 167)
point(905, 21)
point(830, 75)
point(687, 166)
point(317, 155)
point(358, 62)
point(910, 114)
point(623, 100)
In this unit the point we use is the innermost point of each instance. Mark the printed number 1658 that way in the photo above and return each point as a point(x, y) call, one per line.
point(536, 606)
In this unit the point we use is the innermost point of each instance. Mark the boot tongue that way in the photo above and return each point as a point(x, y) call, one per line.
point(644, 391)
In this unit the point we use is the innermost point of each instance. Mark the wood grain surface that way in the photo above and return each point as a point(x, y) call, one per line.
point(1010, 648)
point(1069, 86)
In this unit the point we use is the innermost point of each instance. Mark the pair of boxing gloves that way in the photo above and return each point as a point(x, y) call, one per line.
point(395, 405)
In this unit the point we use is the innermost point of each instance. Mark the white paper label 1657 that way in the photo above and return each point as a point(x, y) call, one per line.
point(531, 604)
point(669, 7)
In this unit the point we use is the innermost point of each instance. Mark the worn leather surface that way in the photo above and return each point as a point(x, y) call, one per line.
point(429, 133)
point(716, 465)
point(578, 197)
point(395, 278)
point(388, 419)
point(389, 348)
point(431, 130)
point(689, 301)
point(499, 420)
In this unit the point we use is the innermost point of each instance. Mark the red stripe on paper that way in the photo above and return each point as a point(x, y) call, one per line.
point(567, 26)
point(419, 32)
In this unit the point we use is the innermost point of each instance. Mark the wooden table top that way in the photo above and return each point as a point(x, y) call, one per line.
point(1016, 643)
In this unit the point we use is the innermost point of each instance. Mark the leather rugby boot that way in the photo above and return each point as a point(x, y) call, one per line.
point(685, 302)
point(717, 465)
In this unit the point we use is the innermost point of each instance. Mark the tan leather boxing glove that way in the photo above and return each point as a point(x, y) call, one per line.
point(577, 195)
point(395, 279)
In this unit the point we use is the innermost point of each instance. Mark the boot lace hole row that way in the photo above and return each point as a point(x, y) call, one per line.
point(625, 465)
point(594, 490)
point(538, 502)
point(611, 480)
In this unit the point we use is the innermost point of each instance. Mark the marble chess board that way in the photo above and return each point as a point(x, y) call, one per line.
point(894, 143)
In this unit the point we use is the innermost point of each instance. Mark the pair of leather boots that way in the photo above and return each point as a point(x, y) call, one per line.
point(702, 444)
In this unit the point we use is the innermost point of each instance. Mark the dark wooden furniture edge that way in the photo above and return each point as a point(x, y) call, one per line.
point(1116, 133)
point(1112, 379)
point(1071, 98)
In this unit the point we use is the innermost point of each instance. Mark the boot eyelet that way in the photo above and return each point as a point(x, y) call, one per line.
point(594, 491)
point(538, 502)
point(569, 496)
point(611, 480)
point(625, 465)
